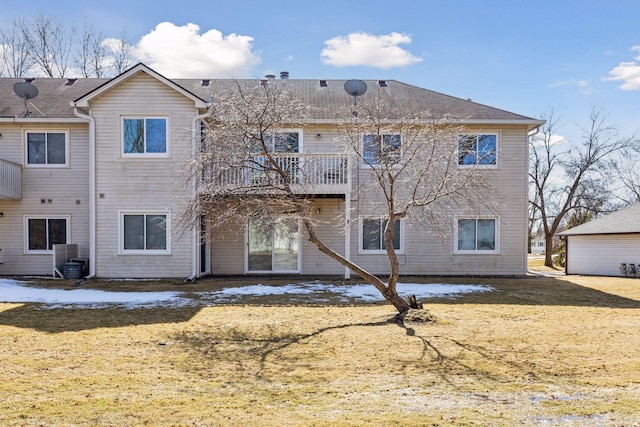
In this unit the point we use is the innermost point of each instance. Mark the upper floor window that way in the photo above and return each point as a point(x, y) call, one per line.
point(279, 142)
point(46, 149)
point(41, 233)
point(372, 235)
point(477, 235)
point(145, 136)
point(381, 149)
point(480, 149)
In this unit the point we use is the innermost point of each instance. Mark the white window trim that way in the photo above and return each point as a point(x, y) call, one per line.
point(26, 219)
point(476, 251)
point(123, 251)
point(362, 251)
point(145, 155)
point(25, 151)
point(364, 164)
point(498, 135)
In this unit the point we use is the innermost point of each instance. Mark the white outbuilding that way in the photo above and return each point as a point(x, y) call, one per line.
point(606, 246)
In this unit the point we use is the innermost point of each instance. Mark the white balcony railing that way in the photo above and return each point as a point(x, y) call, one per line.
point(10, 180)
point(306, 174)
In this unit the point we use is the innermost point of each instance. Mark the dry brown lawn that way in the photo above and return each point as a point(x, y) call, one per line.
point(536, 351)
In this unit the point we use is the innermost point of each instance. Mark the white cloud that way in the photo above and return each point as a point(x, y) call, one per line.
point(369, 50)
point(627, 72)
point(182, 52)
point(582, 85)
point(554, 139)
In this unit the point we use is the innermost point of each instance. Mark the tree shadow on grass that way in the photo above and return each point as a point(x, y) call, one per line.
point(56, 320)
point(265, 354)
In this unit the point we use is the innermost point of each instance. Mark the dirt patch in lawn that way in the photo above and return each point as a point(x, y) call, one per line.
point(535, 351)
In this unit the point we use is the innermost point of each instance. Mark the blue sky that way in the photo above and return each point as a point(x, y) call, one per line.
point(523, 56)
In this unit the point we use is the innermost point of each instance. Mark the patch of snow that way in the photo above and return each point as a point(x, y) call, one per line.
point(14, 291)
point(361, 292)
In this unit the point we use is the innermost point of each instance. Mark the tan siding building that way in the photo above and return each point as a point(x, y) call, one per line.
point(113, 184)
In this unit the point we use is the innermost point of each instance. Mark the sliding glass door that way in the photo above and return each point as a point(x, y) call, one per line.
point(273, 246)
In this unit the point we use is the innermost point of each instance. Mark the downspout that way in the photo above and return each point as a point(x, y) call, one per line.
point(530, 133)
point(195, 258)
point(92, 189)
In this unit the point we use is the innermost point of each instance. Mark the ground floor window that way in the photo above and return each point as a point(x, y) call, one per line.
point(145, 232)
point(372, 235)
point(477, 235)
point(273, 246)
point(41, 233)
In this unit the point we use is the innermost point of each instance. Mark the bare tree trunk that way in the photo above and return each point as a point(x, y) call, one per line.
point(548, 253)
point(388, 292)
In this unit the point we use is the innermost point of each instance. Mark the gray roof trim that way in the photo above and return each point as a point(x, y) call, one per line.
point(136, 69)
point(623, 221)
point(532, 122)
point(27, 120)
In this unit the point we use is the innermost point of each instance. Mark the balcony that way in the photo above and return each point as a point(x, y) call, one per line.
point(306, 174)
point(10, 180)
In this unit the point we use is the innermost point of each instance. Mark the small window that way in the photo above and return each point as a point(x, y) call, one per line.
point(478, 149)
point(145, 136)
point(46, 149)
point(41, 233)
point(372, 235)
point(381, 149)
point(476, 235)
point(145, 232)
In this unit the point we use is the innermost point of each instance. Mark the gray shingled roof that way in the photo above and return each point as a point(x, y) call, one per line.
point(623, 221)
point(53, 97)
point(55, 94)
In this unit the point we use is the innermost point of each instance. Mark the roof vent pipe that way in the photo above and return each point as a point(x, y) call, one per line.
point(284, 75)
point(270, 76)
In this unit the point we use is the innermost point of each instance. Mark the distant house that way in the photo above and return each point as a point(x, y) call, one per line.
point(599, 247)
point(96, 163)
point(538, 244)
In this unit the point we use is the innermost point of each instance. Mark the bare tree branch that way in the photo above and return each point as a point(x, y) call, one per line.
point(564, 178)
point(405, 162)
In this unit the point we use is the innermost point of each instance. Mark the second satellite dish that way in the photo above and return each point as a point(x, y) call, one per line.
point(26, 91)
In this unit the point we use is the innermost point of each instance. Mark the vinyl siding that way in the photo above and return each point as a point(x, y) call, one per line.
point(228, 247)
point(601, 255)
point(424, 252)
point(140, 184)
point(49, 192)
point(427, 254)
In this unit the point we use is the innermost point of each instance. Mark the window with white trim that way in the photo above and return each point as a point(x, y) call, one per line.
point(145, 136)
point(145, 232)
point(381, 149)
point(480, 149)
point(42, 232)
point(46, 149)
point(476, 235)
point(372, 235)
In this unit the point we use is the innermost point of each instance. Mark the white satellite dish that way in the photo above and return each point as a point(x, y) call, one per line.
point(26, 91)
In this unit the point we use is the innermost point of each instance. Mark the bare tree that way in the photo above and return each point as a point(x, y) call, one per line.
point(49, 43)
point(92, 54)
point(14, 53)
point(44, 46)
point(628, 176)
point(248, 168)
point(121, 53)
point(565, 177)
